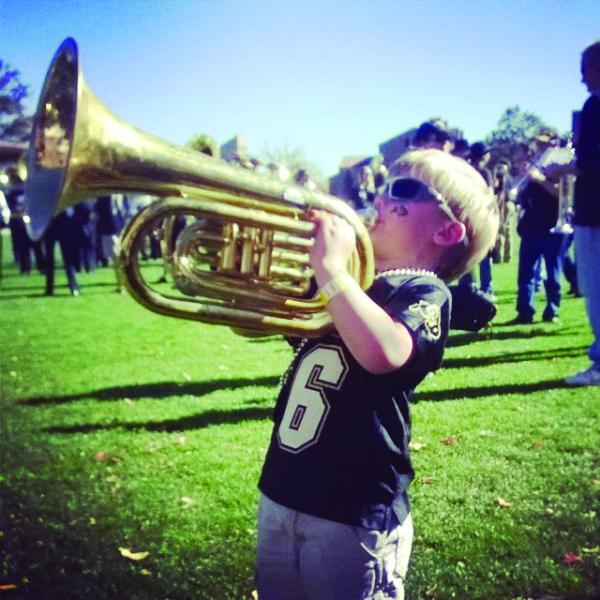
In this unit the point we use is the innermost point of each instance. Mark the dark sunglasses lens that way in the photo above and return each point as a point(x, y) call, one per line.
point(406, 189)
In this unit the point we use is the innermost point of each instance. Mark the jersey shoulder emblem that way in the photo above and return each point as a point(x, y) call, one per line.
point(432, 318)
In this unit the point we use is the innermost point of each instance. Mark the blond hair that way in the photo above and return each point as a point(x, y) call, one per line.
point(469, 198)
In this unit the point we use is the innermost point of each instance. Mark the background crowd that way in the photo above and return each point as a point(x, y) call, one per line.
point(534, 195)
point(87, 233)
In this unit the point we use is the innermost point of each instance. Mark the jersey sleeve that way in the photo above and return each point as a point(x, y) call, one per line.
point(423, 305)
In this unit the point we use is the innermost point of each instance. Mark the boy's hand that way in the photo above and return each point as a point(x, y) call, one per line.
point(335, 241)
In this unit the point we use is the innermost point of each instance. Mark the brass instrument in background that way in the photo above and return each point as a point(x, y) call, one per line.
point(242, 258)
point(566, 196)
point(563, 155)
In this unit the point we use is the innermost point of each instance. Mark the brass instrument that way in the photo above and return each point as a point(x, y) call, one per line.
point(242, 258)
point(566, 195)
point(566, 187)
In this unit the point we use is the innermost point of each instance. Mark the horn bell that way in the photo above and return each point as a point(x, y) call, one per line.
point(241, 258)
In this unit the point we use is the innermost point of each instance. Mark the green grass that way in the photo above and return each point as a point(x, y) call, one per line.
point(124, 429)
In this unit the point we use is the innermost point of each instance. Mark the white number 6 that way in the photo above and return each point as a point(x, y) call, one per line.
point(307, 407)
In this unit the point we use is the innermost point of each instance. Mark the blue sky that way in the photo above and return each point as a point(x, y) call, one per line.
point(331, 77)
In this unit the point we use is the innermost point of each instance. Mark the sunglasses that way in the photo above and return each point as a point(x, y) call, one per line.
point(408, 189)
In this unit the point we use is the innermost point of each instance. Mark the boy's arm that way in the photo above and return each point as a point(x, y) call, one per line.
point(378, 343)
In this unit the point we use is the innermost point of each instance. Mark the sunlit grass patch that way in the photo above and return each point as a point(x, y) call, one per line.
point(124, 433)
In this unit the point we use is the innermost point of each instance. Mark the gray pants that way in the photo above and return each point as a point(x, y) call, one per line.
point(301, 557)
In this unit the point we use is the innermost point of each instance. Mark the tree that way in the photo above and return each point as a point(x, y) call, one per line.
point(202, 142)
point(515, 126)
point(294, 158)
point(14, 124)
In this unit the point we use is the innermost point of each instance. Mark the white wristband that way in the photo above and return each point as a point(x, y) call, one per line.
point(334, 286)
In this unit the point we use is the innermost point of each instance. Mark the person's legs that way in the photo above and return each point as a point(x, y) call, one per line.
point(508, 232)
point(338, 561)
point(69, 251)
point(24, 245)
point(529, 252)
point(587, 257)
point(49, 250)
point(277, 555)
point(587, 249)
point(301, 557)
point(569, 268)
point(485, 274)
point(553, 252)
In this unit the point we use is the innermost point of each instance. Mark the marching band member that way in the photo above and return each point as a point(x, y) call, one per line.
point(538, 199)
point(587, 207)
point(334, 517)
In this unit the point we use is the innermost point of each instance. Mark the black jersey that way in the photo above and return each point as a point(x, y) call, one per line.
point(339, 448)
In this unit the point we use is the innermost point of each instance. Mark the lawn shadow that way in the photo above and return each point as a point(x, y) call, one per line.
point(263, 339)
point(60, 291)
point(474, 392)
point(462, 339)
point(198, 421)
point(525, 356)
point(160, 390)
point(36, 295)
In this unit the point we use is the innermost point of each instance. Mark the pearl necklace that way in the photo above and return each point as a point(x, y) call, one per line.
point(390, 272)
point(283, 379)
point(404, 271)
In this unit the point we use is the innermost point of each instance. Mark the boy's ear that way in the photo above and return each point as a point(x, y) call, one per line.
point(450, 233)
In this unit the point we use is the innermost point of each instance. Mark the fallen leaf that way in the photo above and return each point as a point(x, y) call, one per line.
point(536, 444)
point(127, 553)
point(416, 446)
point(180, 439)
point(503, 503)
point(187, 502)
point(92, 521)
point(427, 480)
point(145, 572)
point(570, 557)
point(450, 440)
point(104, 456)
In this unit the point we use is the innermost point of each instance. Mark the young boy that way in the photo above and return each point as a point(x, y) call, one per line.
point(334, 518)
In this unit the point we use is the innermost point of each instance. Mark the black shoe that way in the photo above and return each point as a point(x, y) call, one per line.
point(522, 320)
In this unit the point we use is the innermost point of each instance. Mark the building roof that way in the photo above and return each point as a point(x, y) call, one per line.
point(348, 162)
